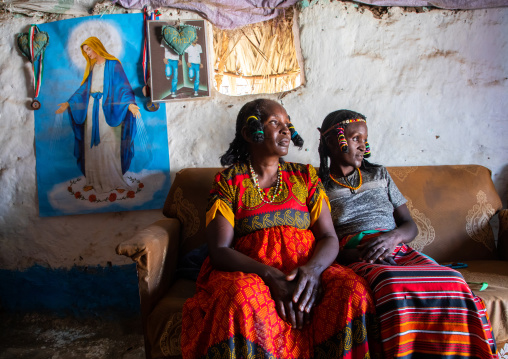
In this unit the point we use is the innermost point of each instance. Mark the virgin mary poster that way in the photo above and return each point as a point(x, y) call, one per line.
point(97, 147)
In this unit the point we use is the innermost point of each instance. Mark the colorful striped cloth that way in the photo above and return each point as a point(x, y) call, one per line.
point(427, 310)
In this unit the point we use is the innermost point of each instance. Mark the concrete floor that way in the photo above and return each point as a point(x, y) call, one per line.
point(37, 336)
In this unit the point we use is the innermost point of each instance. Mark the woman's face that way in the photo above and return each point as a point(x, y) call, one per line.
point(276, 131)
point(89, 52)
point(356, 134)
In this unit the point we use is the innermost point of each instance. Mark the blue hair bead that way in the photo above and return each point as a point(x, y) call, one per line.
point(294, 134)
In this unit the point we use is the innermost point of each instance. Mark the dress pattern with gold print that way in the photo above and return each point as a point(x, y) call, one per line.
point(300, 189)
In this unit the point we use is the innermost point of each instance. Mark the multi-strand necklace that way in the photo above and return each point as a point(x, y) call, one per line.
point(348, 183)
point(278, 187)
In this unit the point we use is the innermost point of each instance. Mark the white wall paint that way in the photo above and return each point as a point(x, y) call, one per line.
point(433, 86)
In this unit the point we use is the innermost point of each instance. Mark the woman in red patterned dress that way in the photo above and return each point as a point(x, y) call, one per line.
point(269, 288)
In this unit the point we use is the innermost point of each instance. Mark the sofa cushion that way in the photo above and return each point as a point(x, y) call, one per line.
point(452, 206)
point(495, 273)
point(164, 324)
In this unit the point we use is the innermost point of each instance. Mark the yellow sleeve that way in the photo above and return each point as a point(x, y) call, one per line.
point(223, 209)
point(316, 195)
point(221, 198)
point(318, 205)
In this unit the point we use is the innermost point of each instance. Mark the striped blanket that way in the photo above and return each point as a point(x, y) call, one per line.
point(427, 310)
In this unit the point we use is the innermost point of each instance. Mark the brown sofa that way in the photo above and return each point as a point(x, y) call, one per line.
point(451, 205)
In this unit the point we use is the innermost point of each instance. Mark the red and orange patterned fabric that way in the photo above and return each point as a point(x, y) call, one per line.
point(235, 196)
point(426, 310)
point(233, 315)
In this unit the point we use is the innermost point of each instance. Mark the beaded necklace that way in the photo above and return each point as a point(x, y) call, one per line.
point(348, 184)
point(278, 187)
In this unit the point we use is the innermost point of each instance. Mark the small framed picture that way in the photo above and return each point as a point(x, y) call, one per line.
point(178, 60)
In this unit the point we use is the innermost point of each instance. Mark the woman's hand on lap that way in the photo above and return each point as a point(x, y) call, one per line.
point(382, 247)
point(281, 290)
point(388, 261)
point(379, 248)
point(307, 290)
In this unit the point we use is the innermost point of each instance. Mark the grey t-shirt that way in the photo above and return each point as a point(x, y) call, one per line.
point(370, 207)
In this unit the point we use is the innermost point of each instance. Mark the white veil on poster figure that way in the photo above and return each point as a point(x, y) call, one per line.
point(178, 60)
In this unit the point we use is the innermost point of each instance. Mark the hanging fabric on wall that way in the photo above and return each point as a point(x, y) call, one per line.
point(225, 14)
point(443, 4)
point(231, 14)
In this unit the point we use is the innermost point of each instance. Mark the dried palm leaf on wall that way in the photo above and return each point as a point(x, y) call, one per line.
point(259, 58)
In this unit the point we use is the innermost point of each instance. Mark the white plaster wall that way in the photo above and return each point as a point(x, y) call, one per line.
point(433, 86)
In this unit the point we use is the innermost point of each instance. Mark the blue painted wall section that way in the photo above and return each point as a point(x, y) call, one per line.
point(80, 291)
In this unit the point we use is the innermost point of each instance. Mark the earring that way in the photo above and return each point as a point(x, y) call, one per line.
point(367, 150)
point(342, 140)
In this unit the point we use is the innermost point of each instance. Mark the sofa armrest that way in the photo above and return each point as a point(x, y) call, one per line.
point(155, 251)
point(502, 239)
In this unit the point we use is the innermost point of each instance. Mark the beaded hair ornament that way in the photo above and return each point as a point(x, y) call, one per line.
point(292, 130)
point(342, 138)
point(255, 119)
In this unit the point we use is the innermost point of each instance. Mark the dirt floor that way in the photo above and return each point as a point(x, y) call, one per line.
point(37, 336)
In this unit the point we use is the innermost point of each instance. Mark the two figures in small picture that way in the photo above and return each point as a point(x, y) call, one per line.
point(172, 61)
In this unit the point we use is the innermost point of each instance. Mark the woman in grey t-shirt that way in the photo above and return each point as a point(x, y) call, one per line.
point(424, 309)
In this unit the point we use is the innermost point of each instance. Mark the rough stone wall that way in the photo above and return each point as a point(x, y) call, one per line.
point(432, 84)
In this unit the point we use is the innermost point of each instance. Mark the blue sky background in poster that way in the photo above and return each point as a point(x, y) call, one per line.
point(60, 181)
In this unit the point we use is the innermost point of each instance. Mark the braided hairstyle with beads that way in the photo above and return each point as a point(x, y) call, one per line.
point(331, 120)
point(252, 115)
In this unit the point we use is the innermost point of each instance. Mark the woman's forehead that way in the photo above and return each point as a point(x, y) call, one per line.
point(356, 127)
point(274, 108)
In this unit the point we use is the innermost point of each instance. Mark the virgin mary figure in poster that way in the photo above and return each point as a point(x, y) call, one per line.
point(117, 149)
point(104, 129)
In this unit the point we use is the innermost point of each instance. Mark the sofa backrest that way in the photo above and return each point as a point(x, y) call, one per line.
point(451, 205)
point(187, 200)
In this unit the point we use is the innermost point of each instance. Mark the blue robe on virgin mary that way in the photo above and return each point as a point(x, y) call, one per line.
point(116, 97)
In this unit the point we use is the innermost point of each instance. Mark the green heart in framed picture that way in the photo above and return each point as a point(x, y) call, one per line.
point(179, 38)
point(178, 60)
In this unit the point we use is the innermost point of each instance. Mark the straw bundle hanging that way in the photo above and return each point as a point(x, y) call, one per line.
point(262, 55)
